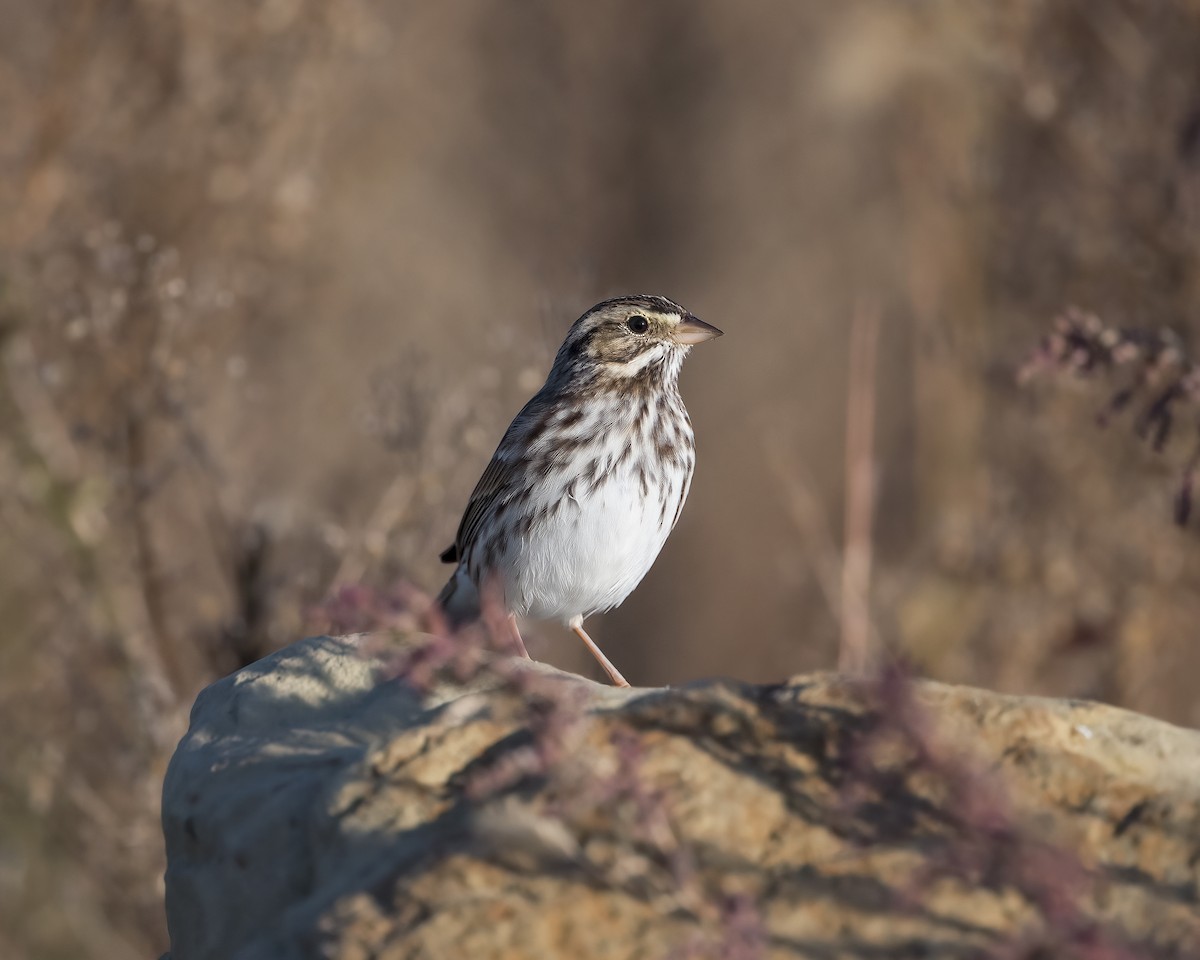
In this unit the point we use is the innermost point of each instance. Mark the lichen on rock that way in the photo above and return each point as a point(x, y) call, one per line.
point(314, 810)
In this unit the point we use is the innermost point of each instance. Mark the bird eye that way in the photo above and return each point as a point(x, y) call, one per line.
point(637, 323)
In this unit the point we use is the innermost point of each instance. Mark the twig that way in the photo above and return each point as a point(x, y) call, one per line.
point(844, 575)
point(1164, 379)
point(854, 653)
point(806, 512)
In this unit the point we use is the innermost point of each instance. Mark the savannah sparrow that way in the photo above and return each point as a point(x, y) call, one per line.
point(589, 479)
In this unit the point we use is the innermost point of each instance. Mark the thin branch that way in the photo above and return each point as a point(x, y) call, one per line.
point(1163, 379)
point(855, 654)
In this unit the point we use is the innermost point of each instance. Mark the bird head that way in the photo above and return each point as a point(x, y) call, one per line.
point(626, 338)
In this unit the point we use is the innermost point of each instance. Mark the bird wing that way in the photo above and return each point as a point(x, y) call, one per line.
point(499, 478)
point(496, 479)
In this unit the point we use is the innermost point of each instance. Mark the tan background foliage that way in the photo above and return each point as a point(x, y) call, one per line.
point(276, 275)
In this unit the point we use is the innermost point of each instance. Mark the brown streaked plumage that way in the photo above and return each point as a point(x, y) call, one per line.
point(573, 508)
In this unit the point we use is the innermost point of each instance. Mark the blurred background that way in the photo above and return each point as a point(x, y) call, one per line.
point(275, 276)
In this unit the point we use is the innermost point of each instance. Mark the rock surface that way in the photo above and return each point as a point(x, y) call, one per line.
point(312, 811)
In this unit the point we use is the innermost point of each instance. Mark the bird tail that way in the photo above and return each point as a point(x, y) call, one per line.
point(459, 599)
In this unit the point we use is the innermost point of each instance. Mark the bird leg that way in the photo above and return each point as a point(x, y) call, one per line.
point(515, 635)
point(613, 673)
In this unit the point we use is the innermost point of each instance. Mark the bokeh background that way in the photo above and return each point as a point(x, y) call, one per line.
point(276, 274)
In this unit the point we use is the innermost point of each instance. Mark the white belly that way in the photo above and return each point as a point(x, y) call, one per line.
point(593, 548)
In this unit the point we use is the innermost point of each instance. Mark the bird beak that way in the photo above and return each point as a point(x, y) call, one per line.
point(692, 330)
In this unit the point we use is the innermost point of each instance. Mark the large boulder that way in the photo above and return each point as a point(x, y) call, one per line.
point(315, 810)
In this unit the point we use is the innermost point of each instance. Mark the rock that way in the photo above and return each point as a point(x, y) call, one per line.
point(313, 812)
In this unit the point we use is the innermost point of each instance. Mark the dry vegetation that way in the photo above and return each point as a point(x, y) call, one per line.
point(273, 277)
